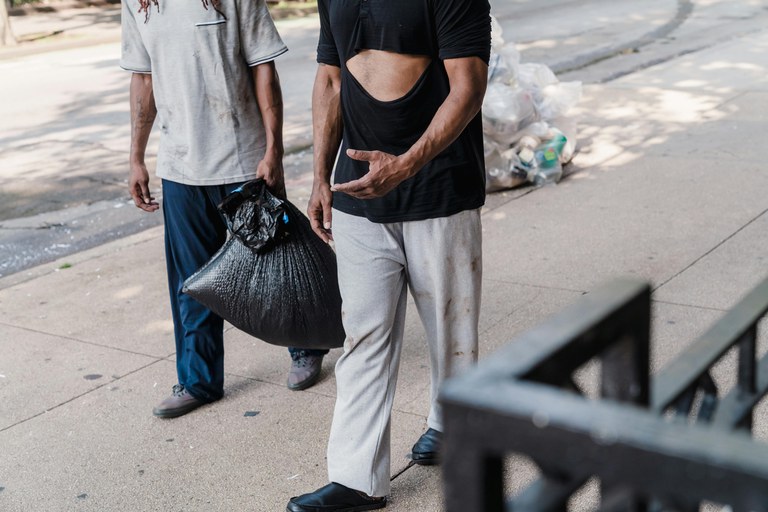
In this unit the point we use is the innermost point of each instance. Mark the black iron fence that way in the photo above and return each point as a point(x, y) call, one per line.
point(667, 442)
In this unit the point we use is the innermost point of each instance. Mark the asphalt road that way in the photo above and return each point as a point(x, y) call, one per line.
point(64, 126)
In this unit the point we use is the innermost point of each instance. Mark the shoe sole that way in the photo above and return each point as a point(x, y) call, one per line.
point(359, 508)
point(428, 460)
point(174, 413)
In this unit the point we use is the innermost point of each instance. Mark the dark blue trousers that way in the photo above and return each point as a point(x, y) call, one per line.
point(194, 231)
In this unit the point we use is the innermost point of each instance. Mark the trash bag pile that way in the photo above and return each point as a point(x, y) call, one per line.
point(274, 278)
point(527, 137)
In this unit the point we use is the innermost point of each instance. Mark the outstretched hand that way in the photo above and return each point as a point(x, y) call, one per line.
point(385, 172)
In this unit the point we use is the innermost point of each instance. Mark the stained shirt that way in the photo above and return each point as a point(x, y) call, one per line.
point(440, 29)
point(200, 59)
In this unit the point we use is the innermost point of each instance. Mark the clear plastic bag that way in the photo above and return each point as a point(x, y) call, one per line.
point(503, 66)
point(506, 111)
point(535, 77)
point(557, 99)
point(552, 98)
point(525, 100)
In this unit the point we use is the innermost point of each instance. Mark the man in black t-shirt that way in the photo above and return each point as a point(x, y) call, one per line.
point(398, 91)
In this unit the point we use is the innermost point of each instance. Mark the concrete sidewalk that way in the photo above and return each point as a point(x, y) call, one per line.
point(669, 186)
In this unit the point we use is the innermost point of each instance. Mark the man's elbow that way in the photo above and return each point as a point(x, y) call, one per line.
point(472, 95)
point(328, 79)
point(469, 79)
point(478, 95)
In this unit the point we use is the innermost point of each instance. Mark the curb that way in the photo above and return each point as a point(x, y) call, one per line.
point(23, 50)
point(53, 40)
point(278, 13)
point(48, 7)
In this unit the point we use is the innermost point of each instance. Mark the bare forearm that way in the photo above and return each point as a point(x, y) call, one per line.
point(143, 113)
point(326, 121)
point(269, 97)
point(468, 80)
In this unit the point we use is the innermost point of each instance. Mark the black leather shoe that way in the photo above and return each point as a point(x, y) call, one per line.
point(426, 451)
point(335, 498)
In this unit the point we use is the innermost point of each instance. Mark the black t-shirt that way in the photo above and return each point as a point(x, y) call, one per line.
point(453, 181)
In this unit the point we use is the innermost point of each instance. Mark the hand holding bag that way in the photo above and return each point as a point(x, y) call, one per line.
point(273, 278)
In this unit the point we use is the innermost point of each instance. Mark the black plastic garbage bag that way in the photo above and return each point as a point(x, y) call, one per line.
point(274, 278)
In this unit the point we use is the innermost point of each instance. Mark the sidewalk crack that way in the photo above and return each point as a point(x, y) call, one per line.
point(115, 379)
point(713, 249)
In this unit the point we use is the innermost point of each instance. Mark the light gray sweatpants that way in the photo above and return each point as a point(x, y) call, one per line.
point(440, 260)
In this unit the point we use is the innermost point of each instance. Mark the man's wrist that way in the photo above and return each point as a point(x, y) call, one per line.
point(410, 163)
point(321, 178)
point(276, 152)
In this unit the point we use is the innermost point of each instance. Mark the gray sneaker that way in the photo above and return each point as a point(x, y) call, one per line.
point(178, 404)
point(304, 372)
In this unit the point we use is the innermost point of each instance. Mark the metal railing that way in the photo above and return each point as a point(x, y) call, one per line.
point(667, 442)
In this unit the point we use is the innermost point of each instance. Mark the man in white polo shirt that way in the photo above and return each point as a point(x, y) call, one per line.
point(204, 69)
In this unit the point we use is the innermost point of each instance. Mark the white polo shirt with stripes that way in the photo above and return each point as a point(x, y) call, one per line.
point(200, 60)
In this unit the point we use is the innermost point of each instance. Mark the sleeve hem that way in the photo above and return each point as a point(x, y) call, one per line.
point(330, 62)
point(482, 55)
point(267, 58)
point(133, 70)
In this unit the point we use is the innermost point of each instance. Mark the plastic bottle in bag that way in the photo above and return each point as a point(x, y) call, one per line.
point(527, 142)
point(502, 169)
point(548, 175)
point(549, 169)
point(526, 155)
point(567, 126)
